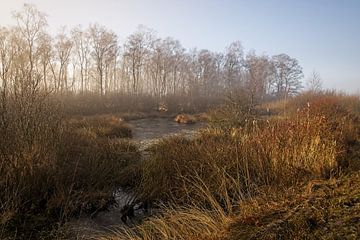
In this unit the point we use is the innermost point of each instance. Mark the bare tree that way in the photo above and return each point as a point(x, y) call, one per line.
point(207, 65)
point(104, 49)
point(136, 53)
point(31, 24)
point(154, 67)
point(177, 58)
point(82, 49)
point(46, 53)
point(163, 66)
point(63, 46)
point(288, 75)
point(92, 60)
point(7, 53)
point(314, 83)
point(260, 73)
point(234, 59)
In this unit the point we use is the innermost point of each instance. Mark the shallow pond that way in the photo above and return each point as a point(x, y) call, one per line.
point(149, 130)
point(145, 132)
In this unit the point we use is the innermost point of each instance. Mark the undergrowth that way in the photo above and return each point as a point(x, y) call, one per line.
point(290, 176)
point(51, 170)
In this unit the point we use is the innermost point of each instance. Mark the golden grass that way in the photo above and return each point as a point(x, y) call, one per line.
point(110, 126)
point(275, 151)
point(320, 209)
point(207, 220)
point(178, 223)
point(278, 178)
point(242, 178)
point(50, 172)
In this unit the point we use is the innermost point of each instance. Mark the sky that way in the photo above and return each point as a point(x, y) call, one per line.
point(324, 35)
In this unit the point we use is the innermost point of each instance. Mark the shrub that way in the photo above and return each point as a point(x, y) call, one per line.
point(48, 171)
point(312, 142)
point(89, 171)
point(109, 126)
point(242, 179)
point(236, 112)
point(31, 129)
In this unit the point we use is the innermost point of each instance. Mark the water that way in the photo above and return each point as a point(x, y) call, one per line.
point(148, 131)
point(145, 132)
point(155, 128)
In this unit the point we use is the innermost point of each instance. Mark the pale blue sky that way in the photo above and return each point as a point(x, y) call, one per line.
point(322, 34)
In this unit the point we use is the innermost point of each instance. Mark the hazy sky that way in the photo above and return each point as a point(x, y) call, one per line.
point(322, 34)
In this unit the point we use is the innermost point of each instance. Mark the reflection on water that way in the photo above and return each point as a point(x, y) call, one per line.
point(155, 128)
point(149, 130)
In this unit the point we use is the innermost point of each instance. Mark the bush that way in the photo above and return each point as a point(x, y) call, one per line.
point(89, 172)
point(109, 126)
point(313, 142)
point(349, 102)
point(31, 129)
point(244, 179)
point(49, 172)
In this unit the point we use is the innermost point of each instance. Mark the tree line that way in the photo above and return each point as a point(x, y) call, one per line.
point(92, 59)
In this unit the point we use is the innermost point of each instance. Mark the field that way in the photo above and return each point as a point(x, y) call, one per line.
point(109, 135)
point(251, 174)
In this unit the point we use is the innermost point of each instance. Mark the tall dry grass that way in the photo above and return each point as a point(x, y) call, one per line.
point(197, 220)
point(309, 143)
point(51, 171)
point(176, 223)
point(208, 178)
point(106, 126)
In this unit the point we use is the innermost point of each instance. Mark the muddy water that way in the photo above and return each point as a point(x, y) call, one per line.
point(148, 131)
point(145, 133)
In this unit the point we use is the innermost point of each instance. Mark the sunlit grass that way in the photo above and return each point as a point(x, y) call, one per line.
point(251, 181)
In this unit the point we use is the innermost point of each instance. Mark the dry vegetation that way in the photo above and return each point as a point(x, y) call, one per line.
point(106, 126)
point(52, 170)
point(131, 107)
point(288, 169)
point(293, 176)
